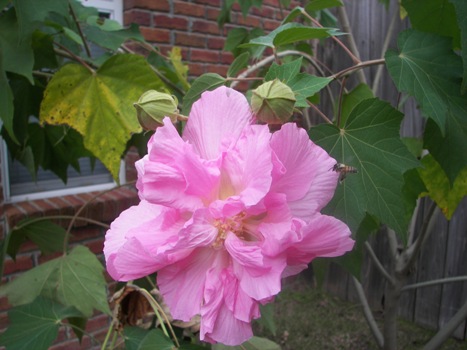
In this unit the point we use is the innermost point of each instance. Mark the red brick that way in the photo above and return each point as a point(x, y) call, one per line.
point(226, 57)
point(96, 246)
point(249, 21)
point(87, 233)
point(203, 26)
point(143, 18)
point(44, 258)
point(196, 69)
point(98, 322)
point(155, 35)
point(216, 3)
point(204, 56)
point(48, 208)
point(212, 13)
point(273, 3)
point(269, 25)
point(158, 5)
point(22, 263)
point(110, 208)
point(263, 11)
point(185, 8)
point(192, 40)
point(216, 68)
point(162, 21)
point(2, 229)
point(216, 43)
point(13, 214)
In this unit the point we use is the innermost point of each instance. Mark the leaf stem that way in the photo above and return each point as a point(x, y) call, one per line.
point(56, 217)
point(339, 105)
point(358, 66)
point(86, 46)
point(321, 114)
point(75, 57)
point(107, 336)
point(75, 217)
point(340, 43)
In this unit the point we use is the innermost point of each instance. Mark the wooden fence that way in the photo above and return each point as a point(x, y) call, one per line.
point(445, 252)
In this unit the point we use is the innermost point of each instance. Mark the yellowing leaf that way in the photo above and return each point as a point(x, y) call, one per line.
point(99, 105)
point(175, 56)
point(439, 188)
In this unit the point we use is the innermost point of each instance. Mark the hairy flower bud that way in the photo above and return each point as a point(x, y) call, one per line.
point(153, 106)
point(273, 102)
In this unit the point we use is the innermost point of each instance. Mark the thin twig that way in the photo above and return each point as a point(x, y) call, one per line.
point(378, 264)
point(42, 74)
point(85, 43)
point(368, 314)
point(358, 66)
point(321, 114)
point(445, 332)
point(434, 282)
point(392, 240)
point(75, 217)
point(333, 37)
point(56, 217)
point(75, 57)
point(387, 40)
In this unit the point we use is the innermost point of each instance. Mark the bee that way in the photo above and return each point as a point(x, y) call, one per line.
point(343, 170)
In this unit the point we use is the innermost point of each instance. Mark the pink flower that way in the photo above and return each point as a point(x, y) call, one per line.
point(226, 211)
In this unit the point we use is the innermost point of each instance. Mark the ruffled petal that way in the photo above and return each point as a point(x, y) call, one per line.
point(308, 182)
point(247, 167)
point(222, 304)
point(218, 117)
point(199, 231)
point(247, 254)
point(173, 174)
point(138, 241)
point(182, 283)
point(323, 236)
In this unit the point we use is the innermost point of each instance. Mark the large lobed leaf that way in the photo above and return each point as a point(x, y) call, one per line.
point(35, 325)
point(369, 142)
point(461, 14)
point(99, 105)
point(137, 338)
point(75, 279)
point(427, 68)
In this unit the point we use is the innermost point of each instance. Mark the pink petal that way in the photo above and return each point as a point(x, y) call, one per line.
point(247, 254)
point(247, 167)
point(137, 241)
point(308, 182)
point(173, 174)
point(219, 116)
point(323, 236)
point(221, 304)
point(199, 231)
point(182, 283)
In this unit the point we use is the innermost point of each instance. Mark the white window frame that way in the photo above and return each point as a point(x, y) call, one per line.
point(115, 9)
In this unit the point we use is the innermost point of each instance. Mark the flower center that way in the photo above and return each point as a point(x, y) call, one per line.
point(234, 225)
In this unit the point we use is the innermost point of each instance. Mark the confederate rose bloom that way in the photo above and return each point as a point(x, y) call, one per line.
point(226, 211)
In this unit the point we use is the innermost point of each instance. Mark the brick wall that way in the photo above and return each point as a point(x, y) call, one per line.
point(190, 25)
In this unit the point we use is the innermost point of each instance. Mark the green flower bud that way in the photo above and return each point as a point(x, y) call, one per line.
point(153, 106)
point(273, 102)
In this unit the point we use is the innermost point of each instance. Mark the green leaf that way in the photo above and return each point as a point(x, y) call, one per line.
point(290, 33)
point(428, 69)
point(72, 35)
point(205, 82)
point(35, 325)
point(284, 72)
point(78, 325)
point(31, 12)
point(137, 338)
point(17, 54)
point(6, 103)
point(75, 279)
point(181, 69)
point(267, 317)
point(103, 23)
point(433, 16)
point(238, 64)
point(297, 11)
point(353, 98)
point(317, 5)
point(305, 85)
point(439, 188)
point(369, 142)
point(461, 14)
point(48, 236)
point(112, 40)
point(99, 105)
point(255, 343)
point(302, 84)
